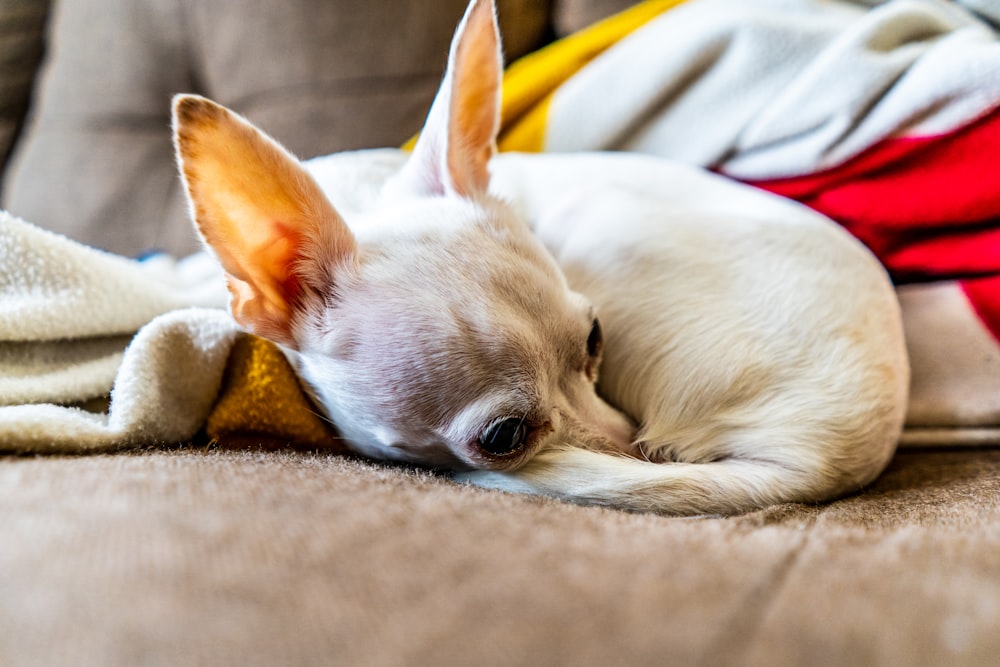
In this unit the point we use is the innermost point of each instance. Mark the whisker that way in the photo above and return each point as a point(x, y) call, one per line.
point(322, 417)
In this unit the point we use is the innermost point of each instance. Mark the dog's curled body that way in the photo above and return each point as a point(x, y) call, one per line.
point(756, 344)
point(445, 312)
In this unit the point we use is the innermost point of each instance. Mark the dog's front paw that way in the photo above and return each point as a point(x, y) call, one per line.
point(489, 479)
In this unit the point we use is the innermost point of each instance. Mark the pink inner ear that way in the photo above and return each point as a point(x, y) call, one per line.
point(279, 258)
point(285, 265)
point(264, 280)
point(264, 256)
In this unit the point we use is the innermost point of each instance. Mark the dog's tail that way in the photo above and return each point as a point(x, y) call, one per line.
point(726, 486)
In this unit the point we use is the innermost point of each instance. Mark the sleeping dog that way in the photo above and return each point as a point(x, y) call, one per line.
point(455, 308)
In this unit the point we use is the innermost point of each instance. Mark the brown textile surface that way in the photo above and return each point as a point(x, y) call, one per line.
point(254, 558)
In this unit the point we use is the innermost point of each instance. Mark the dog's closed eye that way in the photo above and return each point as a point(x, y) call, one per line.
point(595, 341)
point(595, 345)
point(504, 436)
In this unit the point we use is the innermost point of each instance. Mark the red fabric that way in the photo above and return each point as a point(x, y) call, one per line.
point(984, 294)
point(928, 207)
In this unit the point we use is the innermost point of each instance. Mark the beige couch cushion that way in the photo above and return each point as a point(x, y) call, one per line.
point(321, 76)
point(22, 24)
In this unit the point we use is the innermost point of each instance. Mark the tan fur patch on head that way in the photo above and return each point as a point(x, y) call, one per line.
point(444, 318)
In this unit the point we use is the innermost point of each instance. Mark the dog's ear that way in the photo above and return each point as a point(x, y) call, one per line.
point(274, 232)
point(459, 137)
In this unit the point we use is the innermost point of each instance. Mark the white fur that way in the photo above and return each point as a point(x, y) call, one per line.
point(753, 351)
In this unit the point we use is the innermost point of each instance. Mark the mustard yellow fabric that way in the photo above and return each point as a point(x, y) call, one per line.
point(262, 403)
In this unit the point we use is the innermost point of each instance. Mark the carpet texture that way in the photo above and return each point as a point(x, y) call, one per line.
point(189, 556)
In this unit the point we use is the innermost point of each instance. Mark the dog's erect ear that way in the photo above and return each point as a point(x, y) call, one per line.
point(267, 220)
point(459, 136)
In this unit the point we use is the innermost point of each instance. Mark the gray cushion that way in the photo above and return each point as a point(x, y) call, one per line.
point(320, 76)
point(22, 26)
point(568, 16)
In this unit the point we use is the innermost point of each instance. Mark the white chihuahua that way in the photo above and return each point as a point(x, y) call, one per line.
point(445, 312)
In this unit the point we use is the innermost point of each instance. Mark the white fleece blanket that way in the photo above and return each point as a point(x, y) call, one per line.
point(68, 321)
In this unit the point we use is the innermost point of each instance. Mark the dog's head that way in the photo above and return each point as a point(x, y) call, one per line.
point(437, 329)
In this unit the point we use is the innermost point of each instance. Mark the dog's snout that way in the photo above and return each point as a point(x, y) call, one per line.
point(595, 424)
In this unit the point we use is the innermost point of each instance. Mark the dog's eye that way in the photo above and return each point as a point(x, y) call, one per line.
point(595, 340)
point(504, 436)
